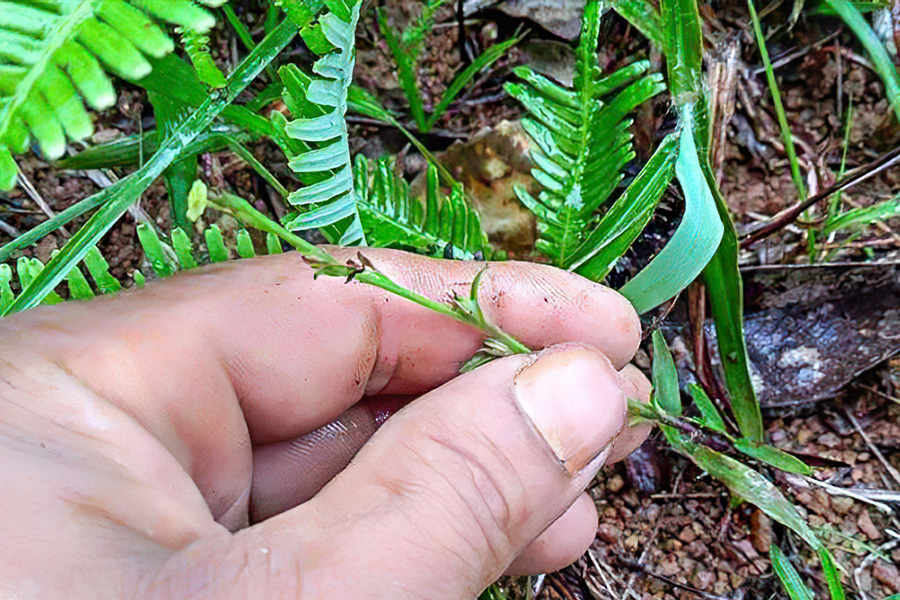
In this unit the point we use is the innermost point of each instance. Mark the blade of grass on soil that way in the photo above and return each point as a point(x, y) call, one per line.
point(786, 135)
point(684, 50)
point(694, 242)
point(788, 576)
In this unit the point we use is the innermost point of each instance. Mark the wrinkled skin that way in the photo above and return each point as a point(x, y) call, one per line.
point(174, 442)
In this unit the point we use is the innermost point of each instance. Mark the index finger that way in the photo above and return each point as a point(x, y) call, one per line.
point(263, 340)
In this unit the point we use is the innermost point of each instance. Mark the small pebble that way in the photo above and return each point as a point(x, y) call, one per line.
point(867, 526)
point(615, 483)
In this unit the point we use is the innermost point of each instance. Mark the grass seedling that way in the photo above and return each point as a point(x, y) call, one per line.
point(406, 50)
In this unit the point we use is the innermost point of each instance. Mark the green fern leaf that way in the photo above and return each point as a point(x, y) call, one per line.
point(629, 214)
point(322, 158)
point(54, 56)
point(582, 140)
point(446, 226)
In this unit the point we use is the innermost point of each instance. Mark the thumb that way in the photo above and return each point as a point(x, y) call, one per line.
point(450, 490)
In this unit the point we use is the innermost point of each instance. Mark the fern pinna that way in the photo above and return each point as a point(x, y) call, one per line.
point(164, 257)
point(583, 141)
point(54, 56)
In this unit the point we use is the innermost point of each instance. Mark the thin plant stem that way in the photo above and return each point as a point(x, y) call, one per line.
point(835, 204)
point(244, 211)
point(235, 146)
point(786, 134)
point(239, 28)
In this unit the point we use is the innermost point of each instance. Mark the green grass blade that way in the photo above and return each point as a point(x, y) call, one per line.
point(406, 71)
point(745, 483)
point(684, 54)
point(772, 456)
point(876, 50)
point(52, 224)
point(239, 28)
point(361, 101)
point(694, 242)
point(174, 78)
point(684, 49)
point(788, 576)
point(645, 17)
point(726, 300)
point(709, 414)
point(124, 151)
point(181, 173)
point(128, 150)
point(834, 205)
point(481, 62)
point(122, 194)
point(865, 215)
point(786, 135)
point(832, 577)
point(235, 146)
point(665, 377)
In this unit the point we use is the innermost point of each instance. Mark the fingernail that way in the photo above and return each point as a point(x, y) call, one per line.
point(572, 397)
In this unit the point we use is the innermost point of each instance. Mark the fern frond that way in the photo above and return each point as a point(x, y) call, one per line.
point(165, 258)
point(446, 226)
point(582, 140)
point(54, 59)
point(321, 158)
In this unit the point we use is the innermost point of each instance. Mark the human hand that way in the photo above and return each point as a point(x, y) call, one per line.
point(141, 435)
